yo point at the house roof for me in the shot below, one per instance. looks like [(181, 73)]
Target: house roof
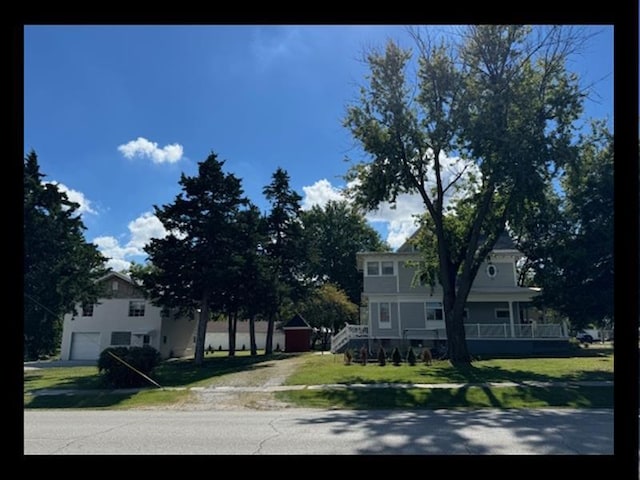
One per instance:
[(296, 322), (119, 275), (504, 242)]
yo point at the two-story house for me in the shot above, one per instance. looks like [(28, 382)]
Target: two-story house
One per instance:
[(123, 317), (499, 316)]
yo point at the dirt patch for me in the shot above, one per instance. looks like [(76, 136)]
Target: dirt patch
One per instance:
[(269, 373)]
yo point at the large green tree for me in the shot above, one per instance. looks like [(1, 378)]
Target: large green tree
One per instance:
[(568, 236), (326, 309), (192, 263), (334, 234), (502, 100), (60, 267), (284, 249)]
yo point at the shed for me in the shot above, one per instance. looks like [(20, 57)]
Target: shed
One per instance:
[(297, 335)]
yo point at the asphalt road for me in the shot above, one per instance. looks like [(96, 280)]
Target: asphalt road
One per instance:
[(319, 432)]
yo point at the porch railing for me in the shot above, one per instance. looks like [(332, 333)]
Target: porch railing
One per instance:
[(349, 332), (472, 331)]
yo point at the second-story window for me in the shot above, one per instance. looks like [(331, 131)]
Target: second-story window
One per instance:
[(387, 268), (136, 308), (373, 268), (379, 268), (87, 310)]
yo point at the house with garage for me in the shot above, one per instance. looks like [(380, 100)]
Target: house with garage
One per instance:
[(499, 316), (124, 317)]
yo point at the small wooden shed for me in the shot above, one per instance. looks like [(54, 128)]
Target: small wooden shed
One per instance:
[(297, 335)]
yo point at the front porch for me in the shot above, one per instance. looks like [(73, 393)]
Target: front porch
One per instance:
[(481, 337)]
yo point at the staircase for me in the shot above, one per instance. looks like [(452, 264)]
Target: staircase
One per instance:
[(340, 341)]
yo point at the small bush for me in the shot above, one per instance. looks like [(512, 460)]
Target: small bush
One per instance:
[(364, 354), (426, 356), (396, 358), (348, 356), (382, 357), (118, 375), (411, 357)]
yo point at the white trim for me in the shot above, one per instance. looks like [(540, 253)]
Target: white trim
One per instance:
[(513, 329)]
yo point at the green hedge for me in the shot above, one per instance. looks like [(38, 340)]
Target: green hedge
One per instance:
[(118, 375)]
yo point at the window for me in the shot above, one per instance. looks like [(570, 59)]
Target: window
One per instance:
[(373, 268), (384, 315), (136, 308), (387, 268), (120, 338), (492, 270), (114, 286), (434, 312), (87, 310), (146, 339), (502, 314)]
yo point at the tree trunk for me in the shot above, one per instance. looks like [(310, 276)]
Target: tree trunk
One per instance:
[(202, 329), (232, 335), (268, 347), (454, 322), (252, 335)]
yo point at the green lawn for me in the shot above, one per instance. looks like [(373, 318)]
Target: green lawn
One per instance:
[(585, 364)]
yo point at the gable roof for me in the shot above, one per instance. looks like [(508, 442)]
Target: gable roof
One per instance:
[(504, 242), (296, 322), (119, 275)]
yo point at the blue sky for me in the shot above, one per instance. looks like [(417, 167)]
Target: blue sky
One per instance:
[(117, 113)]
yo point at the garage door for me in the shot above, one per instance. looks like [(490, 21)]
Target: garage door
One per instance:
[(85, 346)]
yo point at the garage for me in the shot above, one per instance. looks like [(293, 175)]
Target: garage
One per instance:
[(85, 346)]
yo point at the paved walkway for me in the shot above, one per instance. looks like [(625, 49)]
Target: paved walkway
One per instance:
[(372, 386)]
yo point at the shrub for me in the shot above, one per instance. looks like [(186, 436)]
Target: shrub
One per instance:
[(364, 354), (382, 357), (426, 356), (348, 356), (411, 357), (396, 358), (118, 375)]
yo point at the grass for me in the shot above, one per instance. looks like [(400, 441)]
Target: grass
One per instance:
[(465, 397), (323, 369), (173, 373), (584, 365)]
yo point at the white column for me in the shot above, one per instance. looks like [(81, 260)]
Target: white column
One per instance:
[(513, 330)]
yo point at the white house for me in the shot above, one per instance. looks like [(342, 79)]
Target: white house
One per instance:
[(123, 317)]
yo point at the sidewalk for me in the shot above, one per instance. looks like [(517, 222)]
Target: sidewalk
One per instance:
[(334, 386)]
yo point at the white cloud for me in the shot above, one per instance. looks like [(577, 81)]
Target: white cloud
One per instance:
[(141, 231), (145, 148), (77, 197), (319, 194), (399, 219), (144, 228)]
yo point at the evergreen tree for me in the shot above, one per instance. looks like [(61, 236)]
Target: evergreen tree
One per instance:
[(60, 267)]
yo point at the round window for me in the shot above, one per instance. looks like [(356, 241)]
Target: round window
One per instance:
[(492, 271)]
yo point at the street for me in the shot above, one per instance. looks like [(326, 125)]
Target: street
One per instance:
[(308, 431)]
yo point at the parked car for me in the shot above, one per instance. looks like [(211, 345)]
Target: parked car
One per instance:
[(584, 337)]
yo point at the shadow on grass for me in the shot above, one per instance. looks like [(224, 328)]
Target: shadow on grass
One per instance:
[(486, 373), (184, 372), (444, 398), (89, 400)]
